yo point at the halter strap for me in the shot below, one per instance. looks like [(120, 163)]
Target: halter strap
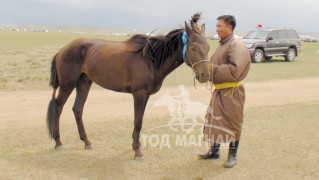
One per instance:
[(185, 41), (193, 65)]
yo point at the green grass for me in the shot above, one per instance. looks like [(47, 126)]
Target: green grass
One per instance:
[(24, 40), (305, 65), (25, 59)]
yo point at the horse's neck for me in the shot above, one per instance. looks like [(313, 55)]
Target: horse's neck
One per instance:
[(170, 64)]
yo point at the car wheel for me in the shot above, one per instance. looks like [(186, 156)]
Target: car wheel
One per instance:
[(268, 57), (258, 56), (290, 55)]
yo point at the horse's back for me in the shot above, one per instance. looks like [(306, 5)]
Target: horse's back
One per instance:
[(75, 50), (110, 64), (84, 50)]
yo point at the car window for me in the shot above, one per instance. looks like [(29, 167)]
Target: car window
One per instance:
[(282, 35), (261, 34), (292, 34), (273, 34)]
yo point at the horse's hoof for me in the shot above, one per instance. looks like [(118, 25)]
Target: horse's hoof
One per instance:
[(59, 148), (139, 158), (88, 147)]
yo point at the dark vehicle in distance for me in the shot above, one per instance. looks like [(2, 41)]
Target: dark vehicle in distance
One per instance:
[(265, 43)]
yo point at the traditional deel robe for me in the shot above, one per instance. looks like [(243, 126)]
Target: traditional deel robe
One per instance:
[(224, 118)]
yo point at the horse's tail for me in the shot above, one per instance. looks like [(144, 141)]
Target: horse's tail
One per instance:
[(54, 80), (52, 115), (52, 108)]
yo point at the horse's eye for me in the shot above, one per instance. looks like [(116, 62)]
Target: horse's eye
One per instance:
[(192, 48)]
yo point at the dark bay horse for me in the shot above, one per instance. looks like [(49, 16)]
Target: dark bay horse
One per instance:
[(137, 66)]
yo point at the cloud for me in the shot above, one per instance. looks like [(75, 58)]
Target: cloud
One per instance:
[(77, 4), (162, 14)]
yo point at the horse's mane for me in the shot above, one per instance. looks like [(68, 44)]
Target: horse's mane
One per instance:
[(156, 48)]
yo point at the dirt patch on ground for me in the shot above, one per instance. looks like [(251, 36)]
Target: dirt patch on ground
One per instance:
[(29, 108)]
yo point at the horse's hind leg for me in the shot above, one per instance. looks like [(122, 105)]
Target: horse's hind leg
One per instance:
[(64, 93), (82, 90)]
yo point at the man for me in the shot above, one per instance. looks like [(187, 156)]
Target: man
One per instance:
[(229, 66)]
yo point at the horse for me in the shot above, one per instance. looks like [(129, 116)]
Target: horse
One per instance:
[(137, 66)]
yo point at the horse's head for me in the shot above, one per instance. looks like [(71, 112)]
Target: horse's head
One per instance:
[(195, 51)]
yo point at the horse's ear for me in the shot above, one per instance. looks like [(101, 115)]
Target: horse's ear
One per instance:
[(203, 29), (187, 28)]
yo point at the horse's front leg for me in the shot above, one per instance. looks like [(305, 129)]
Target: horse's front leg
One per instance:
[(140, 101)]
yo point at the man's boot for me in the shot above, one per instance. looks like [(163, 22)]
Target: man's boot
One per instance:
[(232, 155), (213, 153)]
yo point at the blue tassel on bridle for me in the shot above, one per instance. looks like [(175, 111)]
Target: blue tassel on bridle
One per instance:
[(185, 40)]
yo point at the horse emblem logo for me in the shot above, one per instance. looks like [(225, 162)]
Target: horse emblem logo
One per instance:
[(185, 114)]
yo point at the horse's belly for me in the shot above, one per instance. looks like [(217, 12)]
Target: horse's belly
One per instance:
[(109, 78), (113, 83)]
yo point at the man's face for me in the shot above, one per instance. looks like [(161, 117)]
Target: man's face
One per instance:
[(223, 30)]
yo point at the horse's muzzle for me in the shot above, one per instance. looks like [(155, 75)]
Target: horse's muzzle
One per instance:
[(203, 77)]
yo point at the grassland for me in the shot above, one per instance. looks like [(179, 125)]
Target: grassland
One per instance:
[(279, 140), (25, 59)]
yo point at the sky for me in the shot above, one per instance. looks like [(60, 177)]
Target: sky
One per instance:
[(302, 15)]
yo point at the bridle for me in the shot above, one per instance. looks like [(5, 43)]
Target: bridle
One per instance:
[(185, 40), (194, 71), (193, 65)]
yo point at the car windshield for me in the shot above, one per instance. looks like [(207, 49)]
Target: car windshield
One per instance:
[(261, 34)]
